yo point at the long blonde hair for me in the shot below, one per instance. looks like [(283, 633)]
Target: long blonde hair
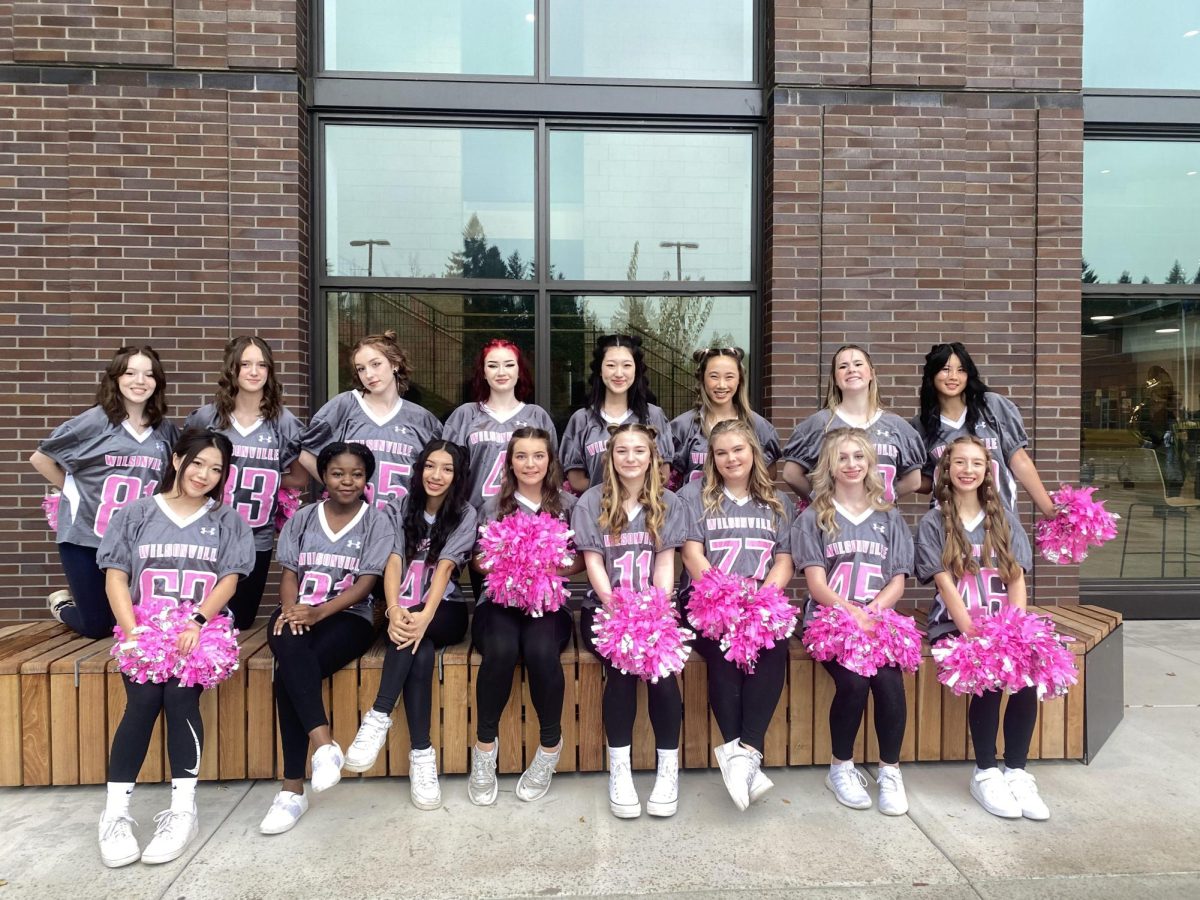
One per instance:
[(612, 510), (997, 536), (741, 397), (833, 393), (761, 488), (823, 481)]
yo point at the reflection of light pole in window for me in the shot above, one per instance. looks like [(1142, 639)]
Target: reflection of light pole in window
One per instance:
[(679, 246), (371, 245)]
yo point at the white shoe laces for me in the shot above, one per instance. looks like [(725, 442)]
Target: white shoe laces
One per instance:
[(847, 778), (166, 823), (890, 779), (424, 772), (119, 827), (483, 767), (541, 770)]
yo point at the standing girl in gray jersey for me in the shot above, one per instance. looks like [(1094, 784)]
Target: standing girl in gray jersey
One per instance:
[(976, 553), (855, 551), (375, 414), (618, 393), (721, 394), (738, 521), (332, 554), (531, 486), (248, 409), (180, 545), (435, 532), (852, 401), (104, 459), (628, 528), (954, 402)]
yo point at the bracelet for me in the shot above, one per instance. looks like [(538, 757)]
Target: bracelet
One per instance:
[(387, 613)]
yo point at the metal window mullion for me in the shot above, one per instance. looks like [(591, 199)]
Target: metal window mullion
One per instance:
[(541, 224)]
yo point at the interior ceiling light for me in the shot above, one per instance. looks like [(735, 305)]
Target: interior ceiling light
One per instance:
[(1102, 318), (1166, 330)]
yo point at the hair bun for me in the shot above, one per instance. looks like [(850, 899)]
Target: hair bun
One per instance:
[(390, 335)]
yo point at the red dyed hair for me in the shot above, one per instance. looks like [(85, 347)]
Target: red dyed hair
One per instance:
[(479, 386)]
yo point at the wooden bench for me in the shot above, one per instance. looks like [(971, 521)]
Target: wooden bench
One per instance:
[(61, 698)]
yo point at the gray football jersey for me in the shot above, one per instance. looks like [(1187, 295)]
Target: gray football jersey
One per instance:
[(984, 591), (261, 454), (1002, 430), (326, 562), (108, 467), (629, 556), (486, 439), (169, 557), (418, 571), (868, 551), (489, 514), (586, 438), (691, 447), (898, 447), (395, 440)]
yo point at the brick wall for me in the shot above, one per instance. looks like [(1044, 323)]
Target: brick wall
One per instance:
[(153, 187), (925, 185)]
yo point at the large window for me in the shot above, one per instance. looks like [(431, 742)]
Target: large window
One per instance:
[(1153, 44)]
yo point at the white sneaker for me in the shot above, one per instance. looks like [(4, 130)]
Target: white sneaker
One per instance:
[(759, 784), (623, 800), (118, 845), (286, 810), (991, 790), (848, 785), (737, 767), (172, 833), (423, 779), (327, 762), (664, 796), (535, 781), (372, 735), (483, 786), (1025, 792), (892, 799), (55, 603)]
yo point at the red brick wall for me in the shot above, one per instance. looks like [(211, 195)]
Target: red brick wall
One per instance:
[(152, 202)]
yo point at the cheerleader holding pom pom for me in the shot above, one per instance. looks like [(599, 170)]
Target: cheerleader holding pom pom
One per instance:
[(738, 526), (176, 555), (628, 528), (976, 553), (530, 499), (332, 554), (855, 551)]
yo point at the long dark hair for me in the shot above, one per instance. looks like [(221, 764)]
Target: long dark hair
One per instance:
[(108, 394), (935, 361), (640, 396), (506, 503), (449, 515), (271, 404), (523, 390), (188, 447)]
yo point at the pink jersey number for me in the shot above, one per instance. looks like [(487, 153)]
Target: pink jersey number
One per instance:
[(317, 587), (175, 584), (633, 569), (393, 482), (985, 592), (491, 484), (858, 584), (410, 587), (259, 486), (118, 491), (734, 546), (888, 474)]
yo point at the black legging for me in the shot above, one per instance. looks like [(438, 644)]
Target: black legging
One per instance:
[(620, 699), (849, 702), (90, 615), (301, 662), (185, 729), (743, 703), (1020, 717), (249, 593), (501, 634), (449, 625), (411, 674)]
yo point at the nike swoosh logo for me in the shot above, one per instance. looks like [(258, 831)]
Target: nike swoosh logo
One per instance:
[(196, 740)]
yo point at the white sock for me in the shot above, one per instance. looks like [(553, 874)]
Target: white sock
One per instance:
[(117, 803), (183, 795), (669, 754)]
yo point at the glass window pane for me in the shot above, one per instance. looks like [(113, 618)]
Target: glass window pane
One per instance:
[(670, 329), (639, 205), (1145, 45), (1141, 430), (428, 202), (1141, 211), (698, 40), (448, 37), (441, 333)]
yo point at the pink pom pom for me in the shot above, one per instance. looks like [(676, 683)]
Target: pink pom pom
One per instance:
[(717, 601), (833, 634), (522, 554), (1012, 650), (802, 503), (50, 508), (151, 652), (1081, 522), (639, 633), (567, 489), (287, 501), (742, 619)]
